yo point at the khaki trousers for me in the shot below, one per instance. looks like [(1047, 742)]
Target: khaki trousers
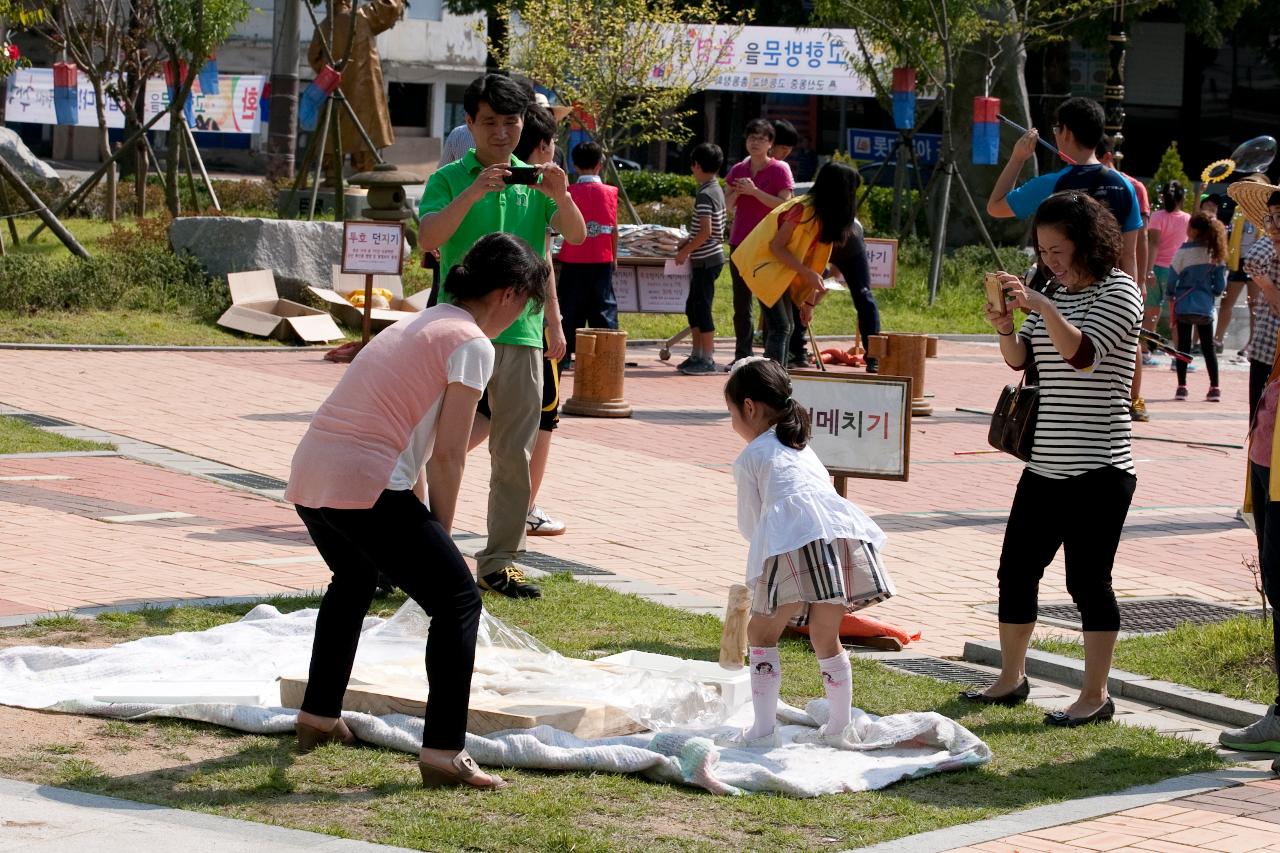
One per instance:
[(515, 403)]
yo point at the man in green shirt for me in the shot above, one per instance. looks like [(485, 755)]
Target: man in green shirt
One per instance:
[(463, 202)]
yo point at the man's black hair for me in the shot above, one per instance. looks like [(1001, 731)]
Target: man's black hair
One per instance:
[(708, 156), (504, 96), (1084, 118), (587, 155), (785, 133), (539, 127), (1106, 145)]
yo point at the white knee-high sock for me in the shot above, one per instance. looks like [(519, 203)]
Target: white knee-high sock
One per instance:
[(766, 682), (837, 680)]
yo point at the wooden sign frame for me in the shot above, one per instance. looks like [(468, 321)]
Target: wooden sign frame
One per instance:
[(373, 227), (892, 245), (842, 475)]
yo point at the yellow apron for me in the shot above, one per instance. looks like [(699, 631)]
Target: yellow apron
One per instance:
[(766, 276)]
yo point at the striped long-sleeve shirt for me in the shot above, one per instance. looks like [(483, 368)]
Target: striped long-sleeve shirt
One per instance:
[(1083, 421)]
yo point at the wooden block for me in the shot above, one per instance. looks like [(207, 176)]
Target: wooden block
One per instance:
[(585, 718)]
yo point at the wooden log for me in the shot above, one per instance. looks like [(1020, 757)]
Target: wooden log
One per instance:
[(600, 366), (904, 355), (733, 639), (486, 714)]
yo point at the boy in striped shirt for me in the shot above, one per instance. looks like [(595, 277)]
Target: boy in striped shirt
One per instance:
[(704, 251)]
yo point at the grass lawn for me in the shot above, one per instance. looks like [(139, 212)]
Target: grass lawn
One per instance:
[(372, 794), (19, 437), (1234, 658), (903, 309)]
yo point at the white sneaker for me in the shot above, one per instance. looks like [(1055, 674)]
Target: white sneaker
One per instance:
[(541, 524), (739, 740)]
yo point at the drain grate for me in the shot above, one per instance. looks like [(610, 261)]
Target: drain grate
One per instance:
[(1149, 615), (548, 563), (39, 420), (252, 481), (942, 670)]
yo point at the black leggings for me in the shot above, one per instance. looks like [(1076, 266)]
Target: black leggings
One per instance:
[(401, 538), (1266, 524), (1207, 351), (1084, 516)]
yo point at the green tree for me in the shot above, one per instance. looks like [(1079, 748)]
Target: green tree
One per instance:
[(1171, 169), (190, 32), (599, 55)]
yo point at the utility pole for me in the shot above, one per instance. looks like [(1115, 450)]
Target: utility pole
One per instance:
[(282, 124)]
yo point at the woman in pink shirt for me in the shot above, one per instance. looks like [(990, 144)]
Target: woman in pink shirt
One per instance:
[(389, 442), (1165, 233), (756, 186)]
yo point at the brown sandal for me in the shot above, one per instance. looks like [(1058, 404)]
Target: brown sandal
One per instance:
[(310, 737), (463, 770)]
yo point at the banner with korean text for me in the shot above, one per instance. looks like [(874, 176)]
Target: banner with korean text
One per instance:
[(809, 61), (860, 424), (237, 108)]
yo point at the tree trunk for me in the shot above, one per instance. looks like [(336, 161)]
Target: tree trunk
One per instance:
[(104, 147), (174, 141)]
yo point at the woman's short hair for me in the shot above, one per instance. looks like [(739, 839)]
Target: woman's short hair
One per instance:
[(1089, 225), (495, 262), (759, 127)]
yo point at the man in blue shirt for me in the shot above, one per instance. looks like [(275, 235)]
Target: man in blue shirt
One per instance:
[(1077, 131)]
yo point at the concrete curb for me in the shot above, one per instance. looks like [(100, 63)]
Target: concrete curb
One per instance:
[(1178, 697), (45, 818), (1070, 811)]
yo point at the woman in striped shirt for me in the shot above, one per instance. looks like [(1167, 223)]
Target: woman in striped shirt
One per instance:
[(1075, 492)]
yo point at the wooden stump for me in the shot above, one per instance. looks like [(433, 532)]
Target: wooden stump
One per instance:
[(600, 362), (904, 355)]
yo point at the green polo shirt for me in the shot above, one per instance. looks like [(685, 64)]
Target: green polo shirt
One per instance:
[(519, 209)]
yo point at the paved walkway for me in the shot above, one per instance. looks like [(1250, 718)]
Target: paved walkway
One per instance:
[(1231, 820), (649, 498)]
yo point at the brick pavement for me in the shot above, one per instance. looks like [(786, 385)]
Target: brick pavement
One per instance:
[(648, 497), (1230, 820)]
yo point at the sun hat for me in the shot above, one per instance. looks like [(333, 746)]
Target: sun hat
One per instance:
[(1254, 194), (558, 111)]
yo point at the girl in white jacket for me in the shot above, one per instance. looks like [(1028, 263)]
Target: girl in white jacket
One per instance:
[(813, 556)]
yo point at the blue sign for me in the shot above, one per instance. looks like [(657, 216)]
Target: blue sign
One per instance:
[(877, 145)]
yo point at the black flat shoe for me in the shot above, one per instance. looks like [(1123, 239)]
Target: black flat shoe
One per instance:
[(1064, 720), (1016, 696)]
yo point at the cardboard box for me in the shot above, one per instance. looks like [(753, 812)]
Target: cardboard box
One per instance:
[(379, 318), (257, 309)]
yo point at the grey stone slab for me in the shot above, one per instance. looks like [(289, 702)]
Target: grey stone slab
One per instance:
[(300, 253), (1200, 703), (44, 819), (1071, 811)]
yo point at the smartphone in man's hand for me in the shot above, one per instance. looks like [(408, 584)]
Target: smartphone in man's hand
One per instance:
[(522, 175)]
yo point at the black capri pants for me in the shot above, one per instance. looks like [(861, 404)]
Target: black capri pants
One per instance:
[(400, 537), (1084, 515)]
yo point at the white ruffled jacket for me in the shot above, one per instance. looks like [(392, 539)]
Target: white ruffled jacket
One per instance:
[(786, 501)]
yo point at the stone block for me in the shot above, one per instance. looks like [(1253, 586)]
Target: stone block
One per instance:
[(299, 253), (37, 174)]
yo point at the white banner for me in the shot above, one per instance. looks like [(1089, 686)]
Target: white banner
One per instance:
[(237, 108), (861, 425), (773, 59)]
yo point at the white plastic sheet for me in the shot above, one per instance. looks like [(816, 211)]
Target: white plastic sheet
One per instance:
[(208, 675)]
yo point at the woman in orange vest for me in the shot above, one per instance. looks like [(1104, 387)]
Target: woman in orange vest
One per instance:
[(783, 259)]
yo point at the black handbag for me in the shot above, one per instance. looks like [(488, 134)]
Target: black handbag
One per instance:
[(1013, 423)]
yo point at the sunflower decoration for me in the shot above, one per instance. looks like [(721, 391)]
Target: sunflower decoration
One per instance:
[(1218, 171)]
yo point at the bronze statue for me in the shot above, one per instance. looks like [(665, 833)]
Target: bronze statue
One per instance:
[(362, 77)]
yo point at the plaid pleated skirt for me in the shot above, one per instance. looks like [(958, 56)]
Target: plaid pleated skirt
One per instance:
[(846, 572)]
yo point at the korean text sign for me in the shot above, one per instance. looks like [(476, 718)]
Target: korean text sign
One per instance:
[(810, 61), (882, 258), (372, 248), (861, 425)]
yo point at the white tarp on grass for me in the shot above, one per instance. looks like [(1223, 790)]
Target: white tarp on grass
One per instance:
[(227, 676)]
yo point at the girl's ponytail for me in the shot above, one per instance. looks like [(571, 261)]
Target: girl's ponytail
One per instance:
[(792, 425), (765, 382)]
